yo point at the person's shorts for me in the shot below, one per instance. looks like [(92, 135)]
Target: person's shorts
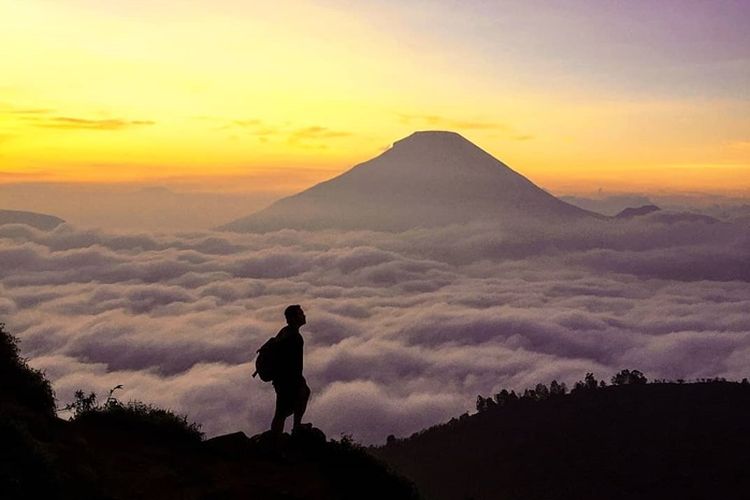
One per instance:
[(289, 394)]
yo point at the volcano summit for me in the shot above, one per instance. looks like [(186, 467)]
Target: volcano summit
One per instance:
[(430, 178)]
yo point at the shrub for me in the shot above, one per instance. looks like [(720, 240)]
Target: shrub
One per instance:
[(133, 416), (347, 441)]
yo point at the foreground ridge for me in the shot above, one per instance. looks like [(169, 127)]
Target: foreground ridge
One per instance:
[(125, 451)]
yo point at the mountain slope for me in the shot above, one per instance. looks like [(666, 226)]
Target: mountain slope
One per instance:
[(39, 221), (428, 179), (650, 441)]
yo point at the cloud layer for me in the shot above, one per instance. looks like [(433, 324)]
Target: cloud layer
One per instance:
[(404, 329)]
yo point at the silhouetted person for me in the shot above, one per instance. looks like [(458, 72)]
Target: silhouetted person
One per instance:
[(292, 392)]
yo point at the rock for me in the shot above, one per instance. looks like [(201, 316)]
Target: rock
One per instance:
[(308, 436), (234, 444)]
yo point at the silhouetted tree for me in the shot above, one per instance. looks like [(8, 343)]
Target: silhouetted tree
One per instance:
[(501, 398), (484, 404), (82, 403), (528, 395), (504, 398), (557, 389), (589, 383), (542, 392), (628, 377)]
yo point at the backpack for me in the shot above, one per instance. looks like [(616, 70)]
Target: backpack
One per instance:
[(266, 363)]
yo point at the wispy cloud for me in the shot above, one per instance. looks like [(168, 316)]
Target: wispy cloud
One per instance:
[(21, 176), (293, 135), (252, 123), (11, 109), (316, 132), (30, 111), (72, 123), (48, 118), (256, 127)]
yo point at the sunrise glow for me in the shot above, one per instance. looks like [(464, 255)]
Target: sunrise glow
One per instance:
[(259, 92)]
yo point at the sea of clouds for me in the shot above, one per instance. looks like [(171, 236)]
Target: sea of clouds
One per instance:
[(404, 330)]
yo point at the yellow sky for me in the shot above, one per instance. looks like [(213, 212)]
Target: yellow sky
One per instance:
[(249, 95)]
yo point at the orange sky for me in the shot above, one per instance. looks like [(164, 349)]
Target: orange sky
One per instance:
[(242, 95)]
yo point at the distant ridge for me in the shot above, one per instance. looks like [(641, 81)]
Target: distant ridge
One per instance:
[(631, 212), (39, 221), (430, 178)]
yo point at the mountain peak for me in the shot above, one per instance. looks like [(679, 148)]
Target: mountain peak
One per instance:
[(429, 178), (422, 136), (428, 141)]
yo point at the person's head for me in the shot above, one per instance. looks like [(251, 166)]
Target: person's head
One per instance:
[(295, 316)]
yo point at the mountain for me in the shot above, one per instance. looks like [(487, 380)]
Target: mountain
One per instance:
[(429, 178), (631, 212), (39, 221), (645, 441), (608, 205)]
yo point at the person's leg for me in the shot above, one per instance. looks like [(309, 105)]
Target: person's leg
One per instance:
[(281, 411), (301, 404), (277, 424)]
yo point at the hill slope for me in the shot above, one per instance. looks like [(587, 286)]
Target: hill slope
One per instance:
[(39, 221), (655, 441), (430, 178), (127, 451)]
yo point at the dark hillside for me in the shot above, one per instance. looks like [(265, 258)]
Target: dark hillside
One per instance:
[(131, 450), (639, 441)]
